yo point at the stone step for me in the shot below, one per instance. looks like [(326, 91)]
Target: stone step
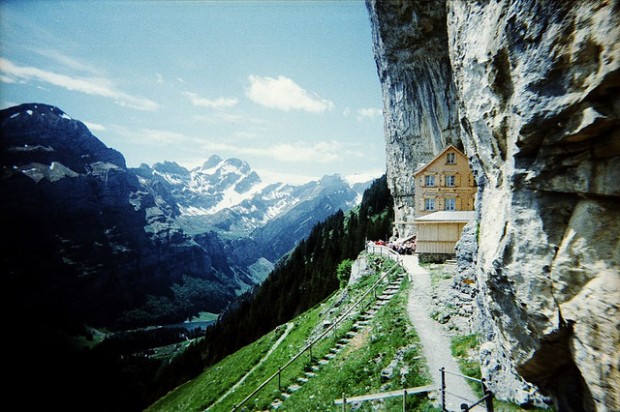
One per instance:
[(302, 380), (315, 368), (323, 361), (293, 388), (344, 341), (276, 403), (330, 356), (286, 395), (310, 374), (351, 334)]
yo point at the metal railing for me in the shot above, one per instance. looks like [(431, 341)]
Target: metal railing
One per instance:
[(385, 395), (465, 407), (487, 398), (308, 348), (384, 251)]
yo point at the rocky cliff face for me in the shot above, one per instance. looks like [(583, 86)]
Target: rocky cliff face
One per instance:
[(534, 86), (411, 45)]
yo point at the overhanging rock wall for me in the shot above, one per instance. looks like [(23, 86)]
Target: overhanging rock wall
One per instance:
[(534, 87)]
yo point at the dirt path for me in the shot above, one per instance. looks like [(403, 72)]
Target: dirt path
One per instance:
[(435, 344), (277, 343)]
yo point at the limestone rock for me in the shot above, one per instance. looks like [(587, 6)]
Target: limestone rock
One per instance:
[(535, 88), (418, 93)]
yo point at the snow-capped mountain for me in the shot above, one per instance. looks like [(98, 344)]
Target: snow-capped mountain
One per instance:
[(227, 196)]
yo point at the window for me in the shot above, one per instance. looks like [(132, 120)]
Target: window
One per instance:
[(451, 203), (450, 181), (451, 158), (429, 180), (429, 204)]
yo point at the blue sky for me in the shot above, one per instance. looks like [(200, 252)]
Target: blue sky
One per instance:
[(289, 86)]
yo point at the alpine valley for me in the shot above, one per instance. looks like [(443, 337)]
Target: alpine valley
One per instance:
[(88, 241)]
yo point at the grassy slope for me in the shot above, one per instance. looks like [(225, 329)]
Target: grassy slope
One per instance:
[(356, 370)]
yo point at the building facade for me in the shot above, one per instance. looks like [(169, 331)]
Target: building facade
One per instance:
[(446, 183)]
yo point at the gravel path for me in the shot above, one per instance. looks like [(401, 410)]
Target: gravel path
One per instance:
[(435, 344)]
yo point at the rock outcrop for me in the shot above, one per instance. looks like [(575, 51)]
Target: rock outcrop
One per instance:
[(534, 86), (420, 106)]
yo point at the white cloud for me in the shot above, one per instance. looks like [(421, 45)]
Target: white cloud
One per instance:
[(68, 61), (320, 152), (162, 136), (93, 86), (270, 176), (368, 114), (219, 103), (146, 136), (364, 177), (96, 127), (284, 94)]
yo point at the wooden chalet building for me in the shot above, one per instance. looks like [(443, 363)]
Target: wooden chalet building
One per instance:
[(445, 192)]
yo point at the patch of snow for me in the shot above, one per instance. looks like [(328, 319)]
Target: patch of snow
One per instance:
[(14, 115), (29, 112), (65, 116), (194, 211)]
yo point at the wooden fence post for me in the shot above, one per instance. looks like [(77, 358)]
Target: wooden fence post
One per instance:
[(443, 389), (404, 400), (344, 402), (488, 395)]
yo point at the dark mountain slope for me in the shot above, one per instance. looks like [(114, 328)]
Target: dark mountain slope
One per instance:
[(80, 234)]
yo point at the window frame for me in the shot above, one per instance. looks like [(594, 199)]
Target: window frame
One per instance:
[(450, 158), (429, 201), (431, 179), (450, 178), (452, 201)]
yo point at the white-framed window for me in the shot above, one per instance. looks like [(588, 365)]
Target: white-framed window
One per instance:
[(450, 203), (429, 204), (451, 181), (429, 180), (451, 158)]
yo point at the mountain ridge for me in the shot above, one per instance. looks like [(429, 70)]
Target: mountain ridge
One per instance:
[(100, 224)]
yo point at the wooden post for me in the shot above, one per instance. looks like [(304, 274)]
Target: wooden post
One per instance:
[(488, 396), (344, 402), (404, 400), (443, 389)]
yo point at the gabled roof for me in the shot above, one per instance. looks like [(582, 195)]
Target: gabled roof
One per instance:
[(448, 216), (434, 159)]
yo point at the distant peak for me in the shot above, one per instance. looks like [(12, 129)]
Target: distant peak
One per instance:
[(170, 167), (213, 161)]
